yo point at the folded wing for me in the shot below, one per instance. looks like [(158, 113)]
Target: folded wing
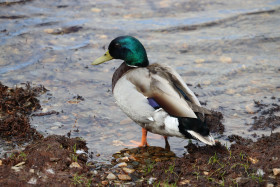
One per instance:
[(167, 88)]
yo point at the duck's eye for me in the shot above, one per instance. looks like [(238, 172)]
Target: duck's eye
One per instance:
[(117, 45)]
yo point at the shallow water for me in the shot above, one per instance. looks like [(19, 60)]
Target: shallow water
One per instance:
[(230, 48)]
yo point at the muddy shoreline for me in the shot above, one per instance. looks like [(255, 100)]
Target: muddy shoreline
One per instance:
[(60, 160)]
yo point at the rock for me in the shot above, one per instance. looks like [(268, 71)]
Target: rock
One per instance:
[(276, 171), (75, 165), (123, 159), (19, 164), (157, 159), (50, 171), (146, 154), (111, 176), (184, 182), (206, 173), (269, 185), (135, 163), (253, 160), (134, 151), (151, 180), (32, 171), (122, 164), (33, 180), (17, 169), (132, 158), (124, 177), (0, 162), (128, 170), (80, 152), (105, 183), (94, 172), (242, 180), (274, 158), (170, 154), (260, 172)]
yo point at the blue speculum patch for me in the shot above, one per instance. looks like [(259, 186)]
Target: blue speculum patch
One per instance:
[(153, 103)]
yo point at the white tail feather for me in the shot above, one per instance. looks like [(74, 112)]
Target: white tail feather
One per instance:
[(205, 139)]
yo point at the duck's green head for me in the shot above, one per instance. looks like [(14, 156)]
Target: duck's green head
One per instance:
[(126, 48)]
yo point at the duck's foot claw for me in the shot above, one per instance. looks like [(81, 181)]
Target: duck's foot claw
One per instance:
[(136, 144)]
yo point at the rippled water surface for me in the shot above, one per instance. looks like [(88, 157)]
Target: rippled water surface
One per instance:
[(230, 48)]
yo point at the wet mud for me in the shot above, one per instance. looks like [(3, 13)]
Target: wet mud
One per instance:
[(266, 118), (59, 160), (244, 164), (16, 104), (46, 162), (214, 121)]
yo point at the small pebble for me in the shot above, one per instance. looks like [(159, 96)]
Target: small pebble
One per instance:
[(276, 171), (134, 163), (157, 159), (123, 159), (260, 172), (274, 158), (146, 154), (124, 177), (132, 158), (75, 165), (111, 176), (50, 171), (17, 169), (122, 164), (94, 172), (19, 164), (184, 182), (32, 171), (0, 162), (241, 180), (128, 170), (151, 180), (269, 185), (206, 173), (105, 183), (33, 180), (80, 151), (253, 160)]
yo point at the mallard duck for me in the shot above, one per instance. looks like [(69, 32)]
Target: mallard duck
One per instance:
[(154, 96)]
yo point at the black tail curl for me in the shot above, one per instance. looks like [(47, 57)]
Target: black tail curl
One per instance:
[(192, 124)]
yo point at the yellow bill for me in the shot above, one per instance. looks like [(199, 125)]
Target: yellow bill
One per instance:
[(106, 57)]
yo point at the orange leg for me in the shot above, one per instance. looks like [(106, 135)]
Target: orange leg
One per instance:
[(144, 138), (143, 143), (167, 146)]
